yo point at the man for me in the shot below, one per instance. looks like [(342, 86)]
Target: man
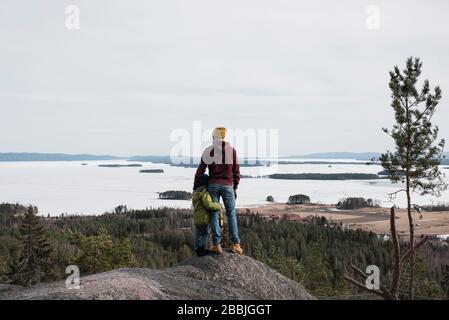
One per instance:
[(224, 177)]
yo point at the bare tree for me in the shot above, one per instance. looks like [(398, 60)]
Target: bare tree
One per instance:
[(393, 292)]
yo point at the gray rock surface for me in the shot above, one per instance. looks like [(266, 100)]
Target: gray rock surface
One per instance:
[(228, 276)]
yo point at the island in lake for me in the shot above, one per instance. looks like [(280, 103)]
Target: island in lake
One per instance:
[(175, 195), (152, 171), (132, 165), (325, 176)]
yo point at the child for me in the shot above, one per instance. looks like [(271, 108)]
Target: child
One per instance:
[(202, 205)]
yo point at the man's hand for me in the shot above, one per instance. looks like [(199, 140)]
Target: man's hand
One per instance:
[(235, 194)]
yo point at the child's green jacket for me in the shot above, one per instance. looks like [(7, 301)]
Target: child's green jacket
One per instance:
[(202, 206)]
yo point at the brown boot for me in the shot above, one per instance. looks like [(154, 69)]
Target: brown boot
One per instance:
[(236, 248), (216, 249)]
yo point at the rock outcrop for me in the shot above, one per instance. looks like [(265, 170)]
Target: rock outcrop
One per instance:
[(228, 276)]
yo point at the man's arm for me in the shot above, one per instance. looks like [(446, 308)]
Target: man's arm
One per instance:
[(199, 174), (235, 170)]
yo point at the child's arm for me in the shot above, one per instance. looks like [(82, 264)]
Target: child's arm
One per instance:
[(206, 199)]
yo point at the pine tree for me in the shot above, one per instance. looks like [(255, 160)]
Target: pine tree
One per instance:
[(318, 274), (418, 152), (424, 286), (3, 270), (123, 255), (99, 253), (33, 262), (185, 252), (95, 252), (445, 280)]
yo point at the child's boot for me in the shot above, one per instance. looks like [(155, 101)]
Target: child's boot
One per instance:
[(201, 251), (216, 249)]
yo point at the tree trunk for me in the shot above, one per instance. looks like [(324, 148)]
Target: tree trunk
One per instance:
[(412, 242), (29, 257), (409, 206), (397, 256)]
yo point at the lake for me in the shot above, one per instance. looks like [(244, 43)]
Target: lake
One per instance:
[(69, 187)]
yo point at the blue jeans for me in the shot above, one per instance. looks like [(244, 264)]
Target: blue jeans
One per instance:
[(201, 234), (227, 194)]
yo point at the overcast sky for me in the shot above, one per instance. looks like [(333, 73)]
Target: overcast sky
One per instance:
[(136, 70)]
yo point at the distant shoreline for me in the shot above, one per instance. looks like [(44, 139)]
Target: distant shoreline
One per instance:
[(30, 157), (316, 158), (325, 176)]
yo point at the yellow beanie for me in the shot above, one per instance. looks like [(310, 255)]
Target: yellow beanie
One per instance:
[(219, 133)]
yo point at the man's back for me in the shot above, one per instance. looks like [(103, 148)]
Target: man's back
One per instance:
[(221, 160)]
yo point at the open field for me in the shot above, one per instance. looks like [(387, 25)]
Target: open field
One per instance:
[(369, 219)]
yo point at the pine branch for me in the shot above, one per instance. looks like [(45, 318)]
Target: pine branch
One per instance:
[(384, 294), (393, 195), (416, 246)]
